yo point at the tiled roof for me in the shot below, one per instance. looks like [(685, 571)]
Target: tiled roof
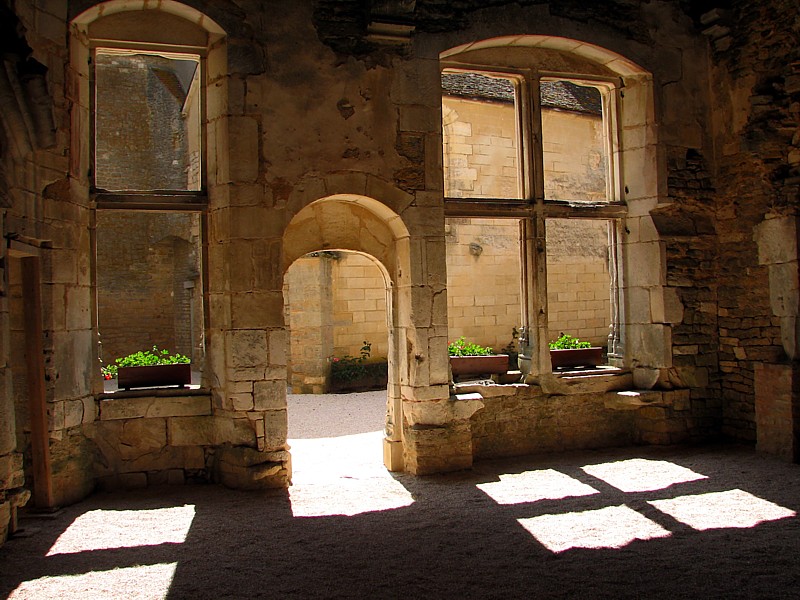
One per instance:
[(564, 95)]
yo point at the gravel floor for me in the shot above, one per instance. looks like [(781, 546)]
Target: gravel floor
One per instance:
[(333, 415), (703, 522)]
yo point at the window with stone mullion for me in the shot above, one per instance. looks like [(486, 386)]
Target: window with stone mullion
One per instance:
[(562, 152)]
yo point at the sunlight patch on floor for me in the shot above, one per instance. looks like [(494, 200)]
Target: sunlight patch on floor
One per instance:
[(642, 475), (103, 529), (343, 476), (148, 582), (611, 527), (532, 486), (719, 510)]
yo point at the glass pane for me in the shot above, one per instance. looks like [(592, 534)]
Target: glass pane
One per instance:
[(483, 280), (578, 280), (574, 142), (149, 287), (480, 135), (147, 122)]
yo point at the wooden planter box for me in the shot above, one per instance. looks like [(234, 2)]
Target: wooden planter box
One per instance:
[(179, 374), (576, 357), (494, 364)]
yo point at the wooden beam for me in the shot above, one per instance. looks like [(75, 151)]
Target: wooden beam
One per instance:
[(34, 360)]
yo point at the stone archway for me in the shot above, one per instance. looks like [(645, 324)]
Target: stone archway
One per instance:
[(362, 224)]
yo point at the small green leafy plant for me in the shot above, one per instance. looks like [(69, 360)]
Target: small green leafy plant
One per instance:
[(348, 368), (568, 342), (143, 358), (462, 347)]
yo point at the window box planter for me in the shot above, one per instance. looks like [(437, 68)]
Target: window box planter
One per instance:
[(492, 364), (576, 357), (179, 374)]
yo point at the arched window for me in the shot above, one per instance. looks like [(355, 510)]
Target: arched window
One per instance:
[(144, 89), (534, 195)]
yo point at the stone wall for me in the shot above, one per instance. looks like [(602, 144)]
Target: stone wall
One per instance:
[(319, 135), (756, 125), (359, 307), (141, 133)]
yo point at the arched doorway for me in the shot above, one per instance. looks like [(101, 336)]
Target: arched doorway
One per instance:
[(355, 223)]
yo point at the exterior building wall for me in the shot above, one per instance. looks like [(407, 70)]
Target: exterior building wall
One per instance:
[(141, 140), (359, 307), (309, 316)]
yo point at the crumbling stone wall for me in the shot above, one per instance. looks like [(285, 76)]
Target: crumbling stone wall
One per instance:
[(756, 94)]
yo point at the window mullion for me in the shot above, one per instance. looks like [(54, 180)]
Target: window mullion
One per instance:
[(535, 153), (534, 246)]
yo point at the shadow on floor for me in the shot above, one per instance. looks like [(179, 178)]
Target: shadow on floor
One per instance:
[(630, 523)]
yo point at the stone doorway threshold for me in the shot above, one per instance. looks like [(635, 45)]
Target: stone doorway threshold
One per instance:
[(336, 443)]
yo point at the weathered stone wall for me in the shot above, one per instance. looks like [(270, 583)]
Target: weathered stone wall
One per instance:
[(321, 137), (756, 125), (42, 218), (359, 307), (480, 149), (309, 317), (517, 419), (578, 281), (483, 280)]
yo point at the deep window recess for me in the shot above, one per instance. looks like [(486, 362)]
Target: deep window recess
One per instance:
[(148, 188), (536, 151)]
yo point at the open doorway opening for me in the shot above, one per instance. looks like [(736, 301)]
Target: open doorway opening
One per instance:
[(335, 305)]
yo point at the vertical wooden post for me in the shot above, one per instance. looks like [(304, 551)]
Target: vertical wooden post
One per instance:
[(34, 359)]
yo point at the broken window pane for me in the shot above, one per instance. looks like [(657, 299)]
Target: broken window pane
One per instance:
[(574, 142), (147, 121), (481, 136)]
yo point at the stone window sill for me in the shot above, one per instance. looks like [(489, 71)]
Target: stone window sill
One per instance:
[(154, 403)]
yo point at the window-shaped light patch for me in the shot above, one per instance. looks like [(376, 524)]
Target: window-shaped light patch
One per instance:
[(610, 527), (103, 529), (116, 583), (642, 475), (719, 510), (532, 486)]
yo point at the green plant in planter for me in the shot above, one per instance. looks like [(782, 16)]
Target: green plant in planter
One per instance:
[(143, 358), (568, 342), (462, 347), (348, 368)]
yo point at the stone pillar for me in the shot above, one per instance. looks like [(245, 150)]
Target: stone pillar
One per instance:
[(438, 434), (777, 419), (776, 385), (776, 237)]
